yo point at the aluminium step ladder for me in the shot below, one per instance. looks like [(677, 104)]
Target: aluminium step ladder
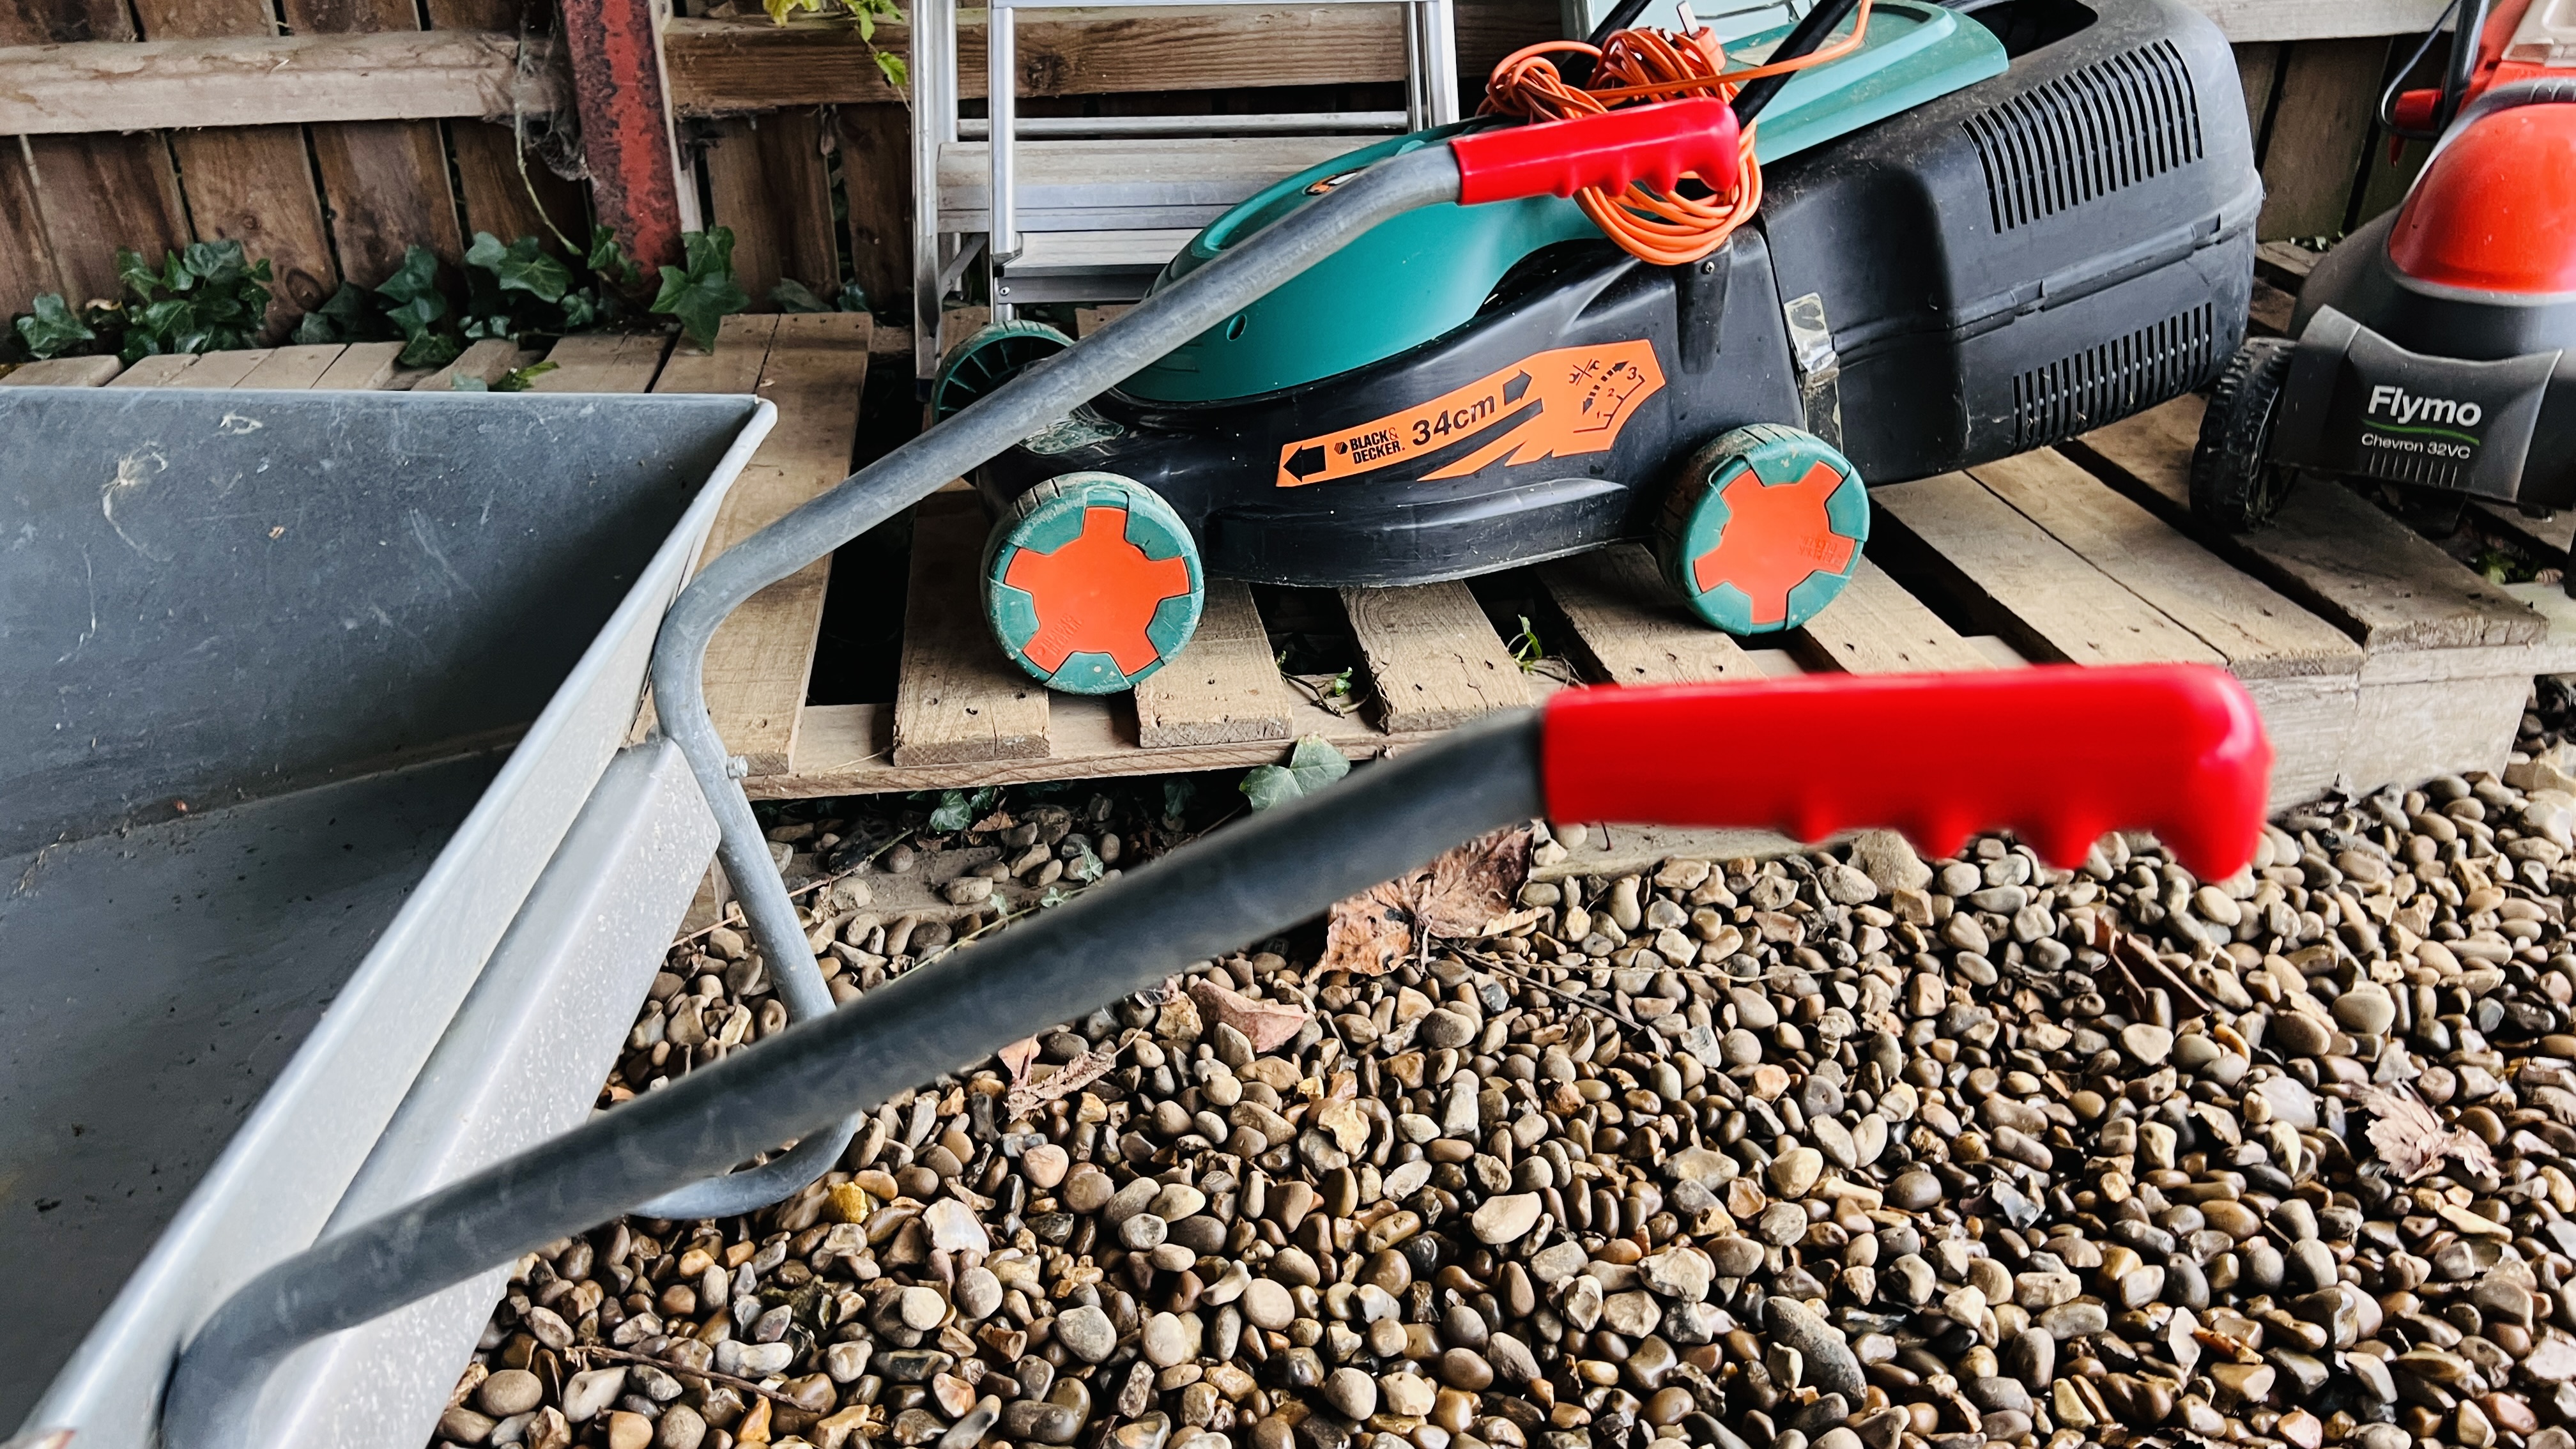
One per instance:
[(1089, 209)]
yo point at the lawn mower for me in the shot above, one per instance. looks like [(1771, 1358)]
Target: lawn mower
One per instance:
[(2428, 346), (1954, 235)]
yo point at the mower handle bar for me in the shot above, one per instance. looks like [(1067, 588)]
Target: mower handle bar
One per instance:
[(670, 1151)]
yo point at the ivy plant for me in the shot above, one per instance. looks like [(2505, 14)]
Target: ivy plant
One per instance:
[(702, 293), (210, 298)]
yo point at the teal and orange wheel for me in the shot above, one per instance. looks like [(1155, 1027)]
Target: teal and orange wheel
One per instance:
[(1763, 528), (1091, 582), (978, 366)]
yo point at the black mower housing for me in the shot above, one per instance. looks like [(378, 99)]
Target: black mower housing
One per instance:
[(2364, 326), (2028, 258)]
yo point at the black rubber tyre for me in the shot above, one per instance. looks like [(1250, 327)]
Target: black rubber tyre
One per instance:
[(2234, 487)]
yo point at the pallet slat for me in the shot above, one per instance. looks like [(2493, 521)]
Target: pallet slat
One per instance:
[(2371, 575), (159, 370), (814, 368), (2260, 633), (489, 361), (603, 362), (297, 368), (1876, 627), (1432, 657), (361, 367), (2034, 590), (1224, 689), (1628, 628), (64, 372), (958, 699)]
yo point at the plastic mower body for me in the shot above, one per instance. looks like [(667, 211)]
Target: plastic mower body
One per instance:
[(1982, 232), (2430, 348)]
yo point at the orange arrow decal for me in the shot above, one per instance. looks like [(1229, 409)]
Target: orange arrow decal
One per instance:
[(1548, 405)]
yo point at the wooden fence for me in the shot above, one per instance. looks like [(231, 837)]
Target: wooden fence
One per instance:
[(328, 135)]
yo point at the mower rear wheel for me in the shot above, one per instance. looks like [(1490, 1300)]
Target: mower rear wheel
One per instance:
[(1763, 528), (1091, 582), (2234, 485), (978, 366)]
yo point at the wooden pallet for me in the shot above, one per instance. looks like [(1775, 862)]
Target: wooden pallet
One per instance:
[(812, 365), (2373, 656)]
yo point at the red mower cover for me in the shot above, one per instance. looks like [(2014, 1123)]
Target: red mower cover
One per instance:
[(2058, 754)]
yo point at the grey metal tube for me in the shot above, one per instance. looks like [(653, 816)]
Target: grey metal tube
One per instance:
[(1258, 878), (877, 493)]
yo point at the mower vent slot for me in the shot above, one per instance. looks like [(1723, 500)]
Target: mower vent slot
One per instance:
[(2086, 389), (2088, 133), (2394, 467)]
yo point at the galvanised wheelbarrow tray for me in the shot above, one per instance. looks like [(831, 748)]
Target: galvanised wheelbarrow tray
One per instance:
[(311, 702), (380, 1314)]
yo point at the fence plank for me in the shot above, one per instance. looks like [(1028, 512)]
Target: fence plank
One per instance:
[(2319, 126), (876, 180), (91, 194), (26, 256), (386, 181), (767, 181), (722, 66)]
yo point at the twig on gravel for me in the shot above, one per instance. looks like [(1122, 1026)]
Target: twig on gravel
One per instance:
[(593, 1350), (1495, 963), (733, 915)]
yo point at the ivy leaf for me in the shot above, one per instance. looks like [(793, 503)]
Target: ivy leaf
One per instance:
[(897, 74), (608, 259), (138, 276), (430, 349), (522, 266), (853, 298), (417, 278), (220, 263), (703, 293), (957, 809), (53, 327), (1311, 766), (791, 295), (779, 10)]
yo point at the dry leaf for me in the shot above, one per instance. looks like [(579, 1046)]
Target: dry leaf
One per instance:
[(1077, 1074), (1019, 1056), (1466, 892), (2411, 1140), (1371, 933), (998, 820), (1268, 1025)]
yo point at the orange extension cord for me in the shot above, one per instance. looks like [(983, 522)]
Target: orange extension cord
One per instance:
[(1635, 66)]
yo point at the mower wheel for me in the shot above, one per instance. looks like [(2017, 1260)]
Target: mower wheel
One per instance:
[(1091, 582), (1763, 528), (2234, 487), (979, 365)]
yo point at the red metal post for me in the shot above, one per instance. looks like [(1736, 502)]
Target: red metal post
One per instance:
[(616, 55)]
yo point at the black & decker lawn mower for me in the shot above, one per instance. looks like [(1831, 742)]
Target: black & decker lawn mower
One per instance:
[(2429, 348), (1922, 240)]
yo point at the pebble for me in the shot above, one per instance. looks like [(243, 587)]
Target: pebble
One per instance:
[(1842, 1150)]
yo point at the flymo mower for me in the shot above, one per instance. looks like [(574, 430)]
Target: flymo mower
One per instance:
[(1955, 234), (2430, 343)]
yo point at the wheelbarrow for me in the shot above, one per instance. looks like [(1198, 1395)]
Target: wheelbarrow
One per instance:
[(398, 1283)]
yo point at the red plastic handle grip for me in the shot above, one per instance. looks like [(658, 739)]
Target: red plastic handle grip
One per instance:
[(1655, 144), (2058, 754)]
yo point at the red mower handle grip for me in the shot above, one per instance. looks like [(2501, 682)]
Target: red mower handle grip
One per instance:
[(2058, 754), (1655, 144)]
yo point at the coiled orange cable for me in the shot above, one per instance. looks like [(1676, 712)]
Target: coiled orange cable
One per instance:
[(1639, 66)]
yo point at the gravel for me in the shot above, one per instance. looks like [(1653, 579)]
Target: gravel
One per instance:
[(1847, 1150)]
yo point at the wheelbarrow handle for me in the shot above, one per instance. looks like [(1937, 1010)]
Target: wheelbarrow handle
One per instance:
[(2057, 753), (1657, 144)]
